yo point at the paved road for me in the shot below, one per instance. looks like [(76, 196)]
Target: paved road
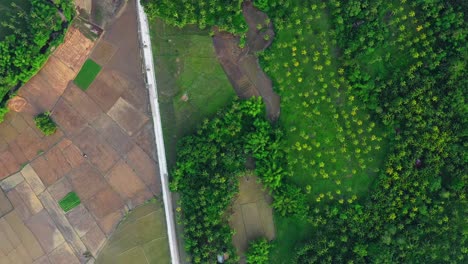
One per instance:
[(152, 86)]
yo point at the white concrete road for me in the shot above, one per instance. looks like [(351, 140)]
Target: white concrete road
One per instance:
[(145, 40)]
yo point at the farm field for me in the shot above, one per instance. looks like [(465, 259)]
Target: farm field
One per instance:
[(192, 85), (70, 201), (87, 74), (102, 155), (139, 238)]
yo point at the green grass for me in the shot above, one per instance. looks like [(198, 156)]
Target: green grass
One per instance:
[(87, 74), (70, 201), (321, 100), (140, 238), (186, 67), (320, 119), (290, 233)]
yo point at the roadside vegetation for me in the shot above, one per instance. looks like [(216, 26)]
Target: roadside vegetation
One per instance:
[(368, 159), (192, 85), (29, 31), (227, 15)]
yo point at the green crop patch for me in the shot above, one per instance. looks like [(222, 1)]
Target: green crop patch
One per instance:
[(87, 74), (70, 201)]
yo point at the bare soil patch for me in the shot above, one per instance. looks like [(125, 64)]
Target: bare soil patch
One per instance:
[(74, 50), (242, 66), (103, 12), (103, 52), (261, 33), (252, 215)]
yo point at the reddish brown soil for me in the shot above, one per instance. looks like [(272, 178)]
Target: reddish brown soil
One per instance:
[(242, 66)]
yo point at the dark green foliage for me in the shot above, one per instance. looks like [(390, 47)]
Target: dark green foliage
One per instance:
[(416, 212), (70, 201), (406, 62), (290, 201), (3, 111), (87, 74), (258, 252), (207, 170), (261, 4), (25, 50), (225, 14), (45, 123)]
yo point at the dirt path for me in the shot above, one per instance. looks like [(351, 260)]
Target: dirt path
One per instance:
[(242, 66)]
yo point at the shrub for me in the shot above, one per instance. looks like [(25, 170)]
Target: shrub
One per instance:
[(227, 15), (3, 111), (261, 4), (45, 123), (258, 252), (290, 201)]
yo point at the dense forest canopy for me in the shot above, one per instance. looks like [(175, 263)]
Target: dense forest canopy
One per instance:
[(30, 30), (208, 166), (405, 62)]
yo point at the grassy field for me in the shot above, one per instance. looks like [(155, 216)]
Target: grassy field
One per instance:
[(334, 144), (335, 147), (141, 238), (290, 233), (5, 9), (87, 74), (70, 201), (192, 85)]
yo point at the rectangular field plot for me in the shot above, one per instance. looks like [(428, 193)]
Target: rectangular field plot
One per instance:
[(70, 201), (87, 74)]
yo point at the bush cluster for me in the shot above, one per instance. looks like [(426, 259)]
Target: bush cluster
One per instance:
[(45, 123), (3, 112), (258, 252), (226, 15)]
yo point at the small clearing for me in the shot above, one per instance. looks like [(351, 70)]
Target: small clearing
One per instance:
[(241, 64), (252, 215)]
